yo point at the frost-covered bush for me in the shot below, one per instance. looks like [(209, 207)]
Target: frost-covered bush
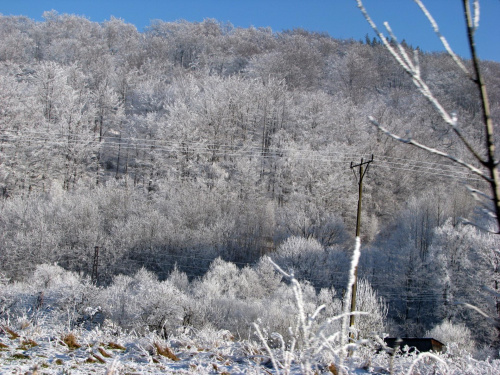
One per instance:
[(53, 277), (456, 336), (280, 312), (16, 299), (50, 293), (308, 259), (367, 301), (300, 256), (231, 298), (62, 291), (142, 302)]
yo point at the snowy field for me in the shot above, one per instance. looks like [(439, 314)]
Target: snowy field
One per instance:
[(36, 350), (63, 331)]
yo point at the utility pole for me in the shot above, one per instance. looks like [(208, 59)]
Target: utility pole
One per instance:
[(95, 265), (363, 167)]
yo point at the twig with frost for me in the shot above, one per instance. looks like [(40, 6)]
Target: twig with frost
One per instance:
[(423, 356), (113, 367), (486, 208), (326, 341), (391, 351), (314, 343), (441, 37), (305, 322), (287, 354), (412, 68), (347, 303), (493, 321), (477, 194), (274, 361), (430, 149)]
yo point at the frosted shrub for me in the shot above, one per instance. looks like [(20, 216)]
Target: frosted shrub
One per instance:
[(222, 279), (281, 310), (16, 300), (141, 301), (269, 279), (301, 256), (51, 293), (48, 276), (179, 279), (232, 299), (310, 340), (456, 336), (333, 307), (60, 292), (373, 323)]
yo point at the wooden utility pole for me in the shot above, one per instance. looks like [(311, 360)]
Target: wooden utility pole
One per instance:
[(363, 167), (95, 265)]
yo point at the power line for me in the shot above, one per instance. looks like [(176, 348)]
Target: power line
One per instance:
[(161, 143), (223, 150)]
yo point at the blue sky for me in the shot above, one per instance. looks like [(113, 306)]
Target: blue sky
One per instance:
[(339, 18)]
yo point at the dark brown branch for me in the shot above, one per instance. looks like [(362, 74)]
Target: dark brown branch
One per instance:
[(488, 124)]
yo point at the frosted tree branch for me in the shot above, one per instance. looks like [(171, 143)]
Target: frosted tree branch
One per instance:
[(493, 321), (467, 144), (478, 195), (491, 291), (404, 56), (268, 349), (480, 227), (490, 163), (412, 68), (381, 36), (422, 356), (491, 174), (430, 149), (445, 43), (476, 14)]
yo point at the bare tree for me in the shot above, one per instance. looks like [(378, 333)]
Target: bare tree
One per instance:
[(484, 163)]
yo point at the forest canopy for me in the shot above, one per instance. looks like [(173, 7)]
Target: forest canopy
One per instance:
[(170, 148)]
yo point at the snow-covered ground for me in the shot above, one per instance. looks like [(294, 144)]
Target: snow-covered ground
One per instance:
[(38, 350), (59, 323), (48, 352)]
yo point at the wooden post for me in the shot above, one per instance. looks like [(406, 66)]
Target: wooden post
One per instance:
[(362, 172), (95, 265)]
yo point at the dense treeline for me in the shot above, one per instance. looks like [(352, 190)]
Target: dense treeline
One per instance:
[(193, 141)]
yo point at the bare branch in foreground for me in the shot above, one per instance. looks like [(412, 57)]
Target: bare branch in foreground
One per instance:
[(424, 356), (413, 70), (431, 150), (493, 321), (441, 37)]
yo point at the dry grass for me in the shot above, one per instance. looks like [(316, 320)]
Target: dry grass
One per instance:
[(20, 356), (333, 369), (104, 353), (70, 341), (99, 358), (166, 352), (28, 344), (114, 345), (12, 335)]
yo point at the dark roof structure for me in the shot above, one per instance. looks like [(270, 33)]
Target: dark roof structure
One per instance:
[(420, 344)]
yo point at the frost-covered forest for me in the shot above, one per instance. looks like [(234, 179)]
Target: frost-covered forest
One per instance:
[(187, 154)]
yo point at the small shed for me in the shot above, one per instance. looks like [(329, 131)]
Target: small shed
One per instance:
[(421, 344)]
